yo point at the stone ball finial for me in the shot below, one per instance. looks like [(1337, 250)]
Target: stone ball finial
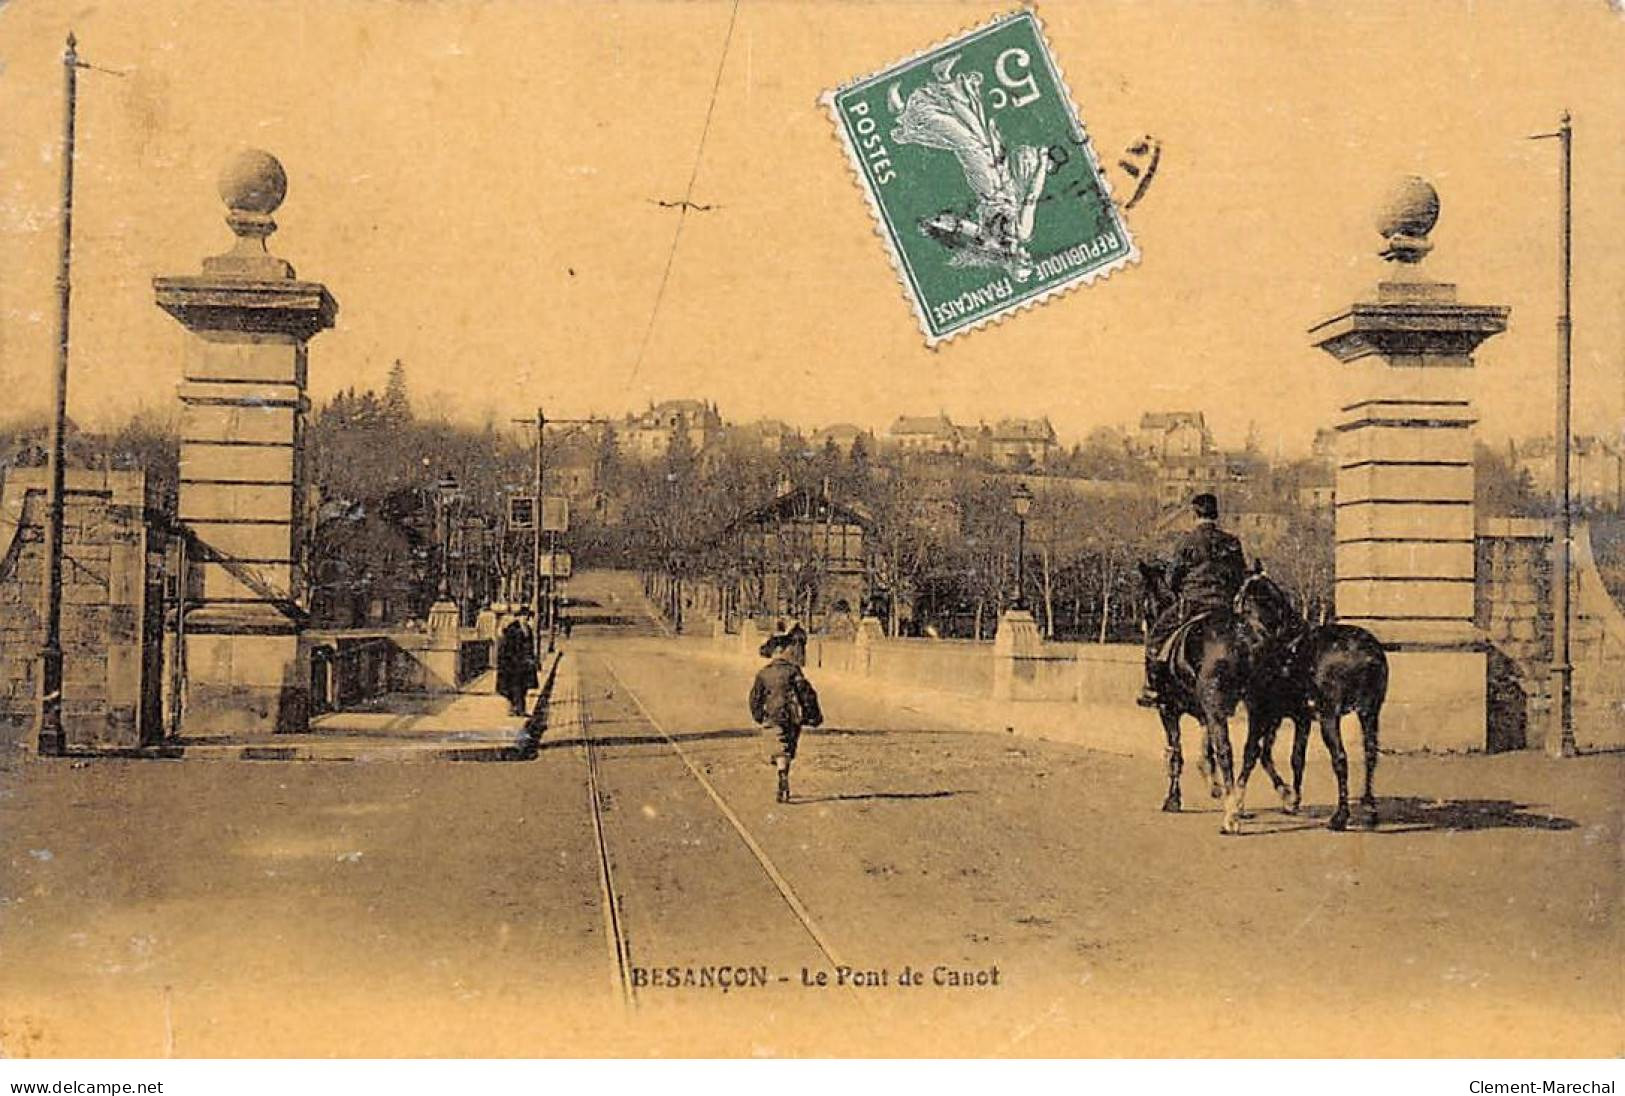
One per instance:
[(1406, 216), (252, 185), (253, 182)]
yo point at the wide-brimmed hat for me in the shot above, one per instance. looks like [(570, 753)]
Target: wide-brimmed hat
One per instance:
[(795, 637)]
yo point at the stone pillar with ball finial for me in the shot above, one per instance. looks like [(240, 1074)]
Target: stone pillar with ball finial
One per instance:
[(1404, 495), (242, 472)]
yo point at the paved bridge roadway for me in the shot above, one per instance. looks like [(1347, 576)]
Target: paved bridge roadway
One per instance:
[(376, 909)]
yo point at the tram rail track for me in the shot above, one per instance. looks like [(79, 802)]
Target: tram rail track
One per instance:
[(782, 885), (610, 886), (609, 896)]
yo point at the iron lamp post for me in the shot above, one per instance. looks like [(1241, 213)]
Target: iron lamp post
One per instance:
[(446, 493), (1022, 500)]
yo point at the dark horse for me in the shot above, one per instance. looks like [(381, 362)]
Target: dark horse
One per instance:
[(1303, 672), (1208, 676)]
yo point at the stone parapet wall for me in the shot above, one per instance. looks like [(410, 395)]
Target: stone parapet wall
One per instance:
[(1084, 693), (111, 608), (953, 666), (1597, 650), (1489, 696), (1513, 612)]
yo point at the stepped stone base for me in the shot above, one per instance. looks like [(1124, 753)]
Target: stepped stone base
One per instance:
[(246, 685)]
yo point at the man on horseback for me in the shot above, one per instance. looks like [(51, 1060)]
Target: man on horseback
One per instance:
[(1208, 569)]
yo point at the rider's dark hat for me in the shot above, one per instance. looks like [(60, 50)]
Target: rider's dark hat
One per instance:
[(1206, 506)]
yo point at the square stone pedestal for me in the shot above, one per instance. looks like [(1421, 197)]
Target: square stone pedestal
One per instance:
[(242, 467), (1404, 525), (1023, 668), (439, 657), (870, 632)]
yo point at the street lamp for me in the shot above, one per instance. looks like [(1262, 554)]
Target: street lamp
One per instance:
[(445, 494), (470, 557), (1022, 500)]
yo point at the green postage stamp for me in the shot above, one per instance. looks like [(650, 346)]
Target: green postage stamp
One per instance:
[(980, 176)]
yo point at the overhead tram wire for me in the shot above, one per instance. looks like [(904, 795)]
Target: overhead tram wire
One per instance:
[(688, 194)]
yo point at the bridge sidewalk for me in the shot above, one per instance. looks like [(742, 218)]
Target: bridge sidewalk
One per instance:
[(470, 725)]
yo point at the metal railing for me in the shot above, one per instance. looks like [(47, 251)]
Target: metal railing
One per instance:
[(348, 671), (473, 659), (352, 671)]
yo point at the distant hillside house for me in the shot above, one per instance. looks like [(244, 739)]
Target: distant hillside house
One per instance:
[(843, 434), (926, 434), (577, 479), (650, 434), (1179, 448), (1596, 469), (1021, 443), (770, 435), (1165, 435), (575, 469), (1317, 486), (1261, 532)]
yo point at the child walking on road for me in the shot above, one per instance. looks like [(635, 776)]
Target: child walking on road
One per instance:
[(783, 701)]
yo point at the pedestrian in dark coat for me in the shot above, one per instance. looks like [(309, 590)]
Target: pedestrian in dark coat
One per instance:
[(516, 665), (782, 702)]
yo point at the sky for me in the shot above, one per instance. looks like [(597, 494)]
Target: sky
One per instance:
[(479, 185)]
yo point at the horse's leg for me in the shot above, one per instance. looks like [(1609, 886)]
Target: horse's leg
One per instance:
[(1332, 734), (1218, 733), (1204, 765), (1266, 757), (1368, 732), (1176, 758), (1259, 736), (1300, 753)]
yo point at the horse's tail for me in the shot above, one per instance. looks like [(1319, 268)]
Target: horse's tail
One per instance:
[(1380, 690), (1217, 668), (1376, 675)]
